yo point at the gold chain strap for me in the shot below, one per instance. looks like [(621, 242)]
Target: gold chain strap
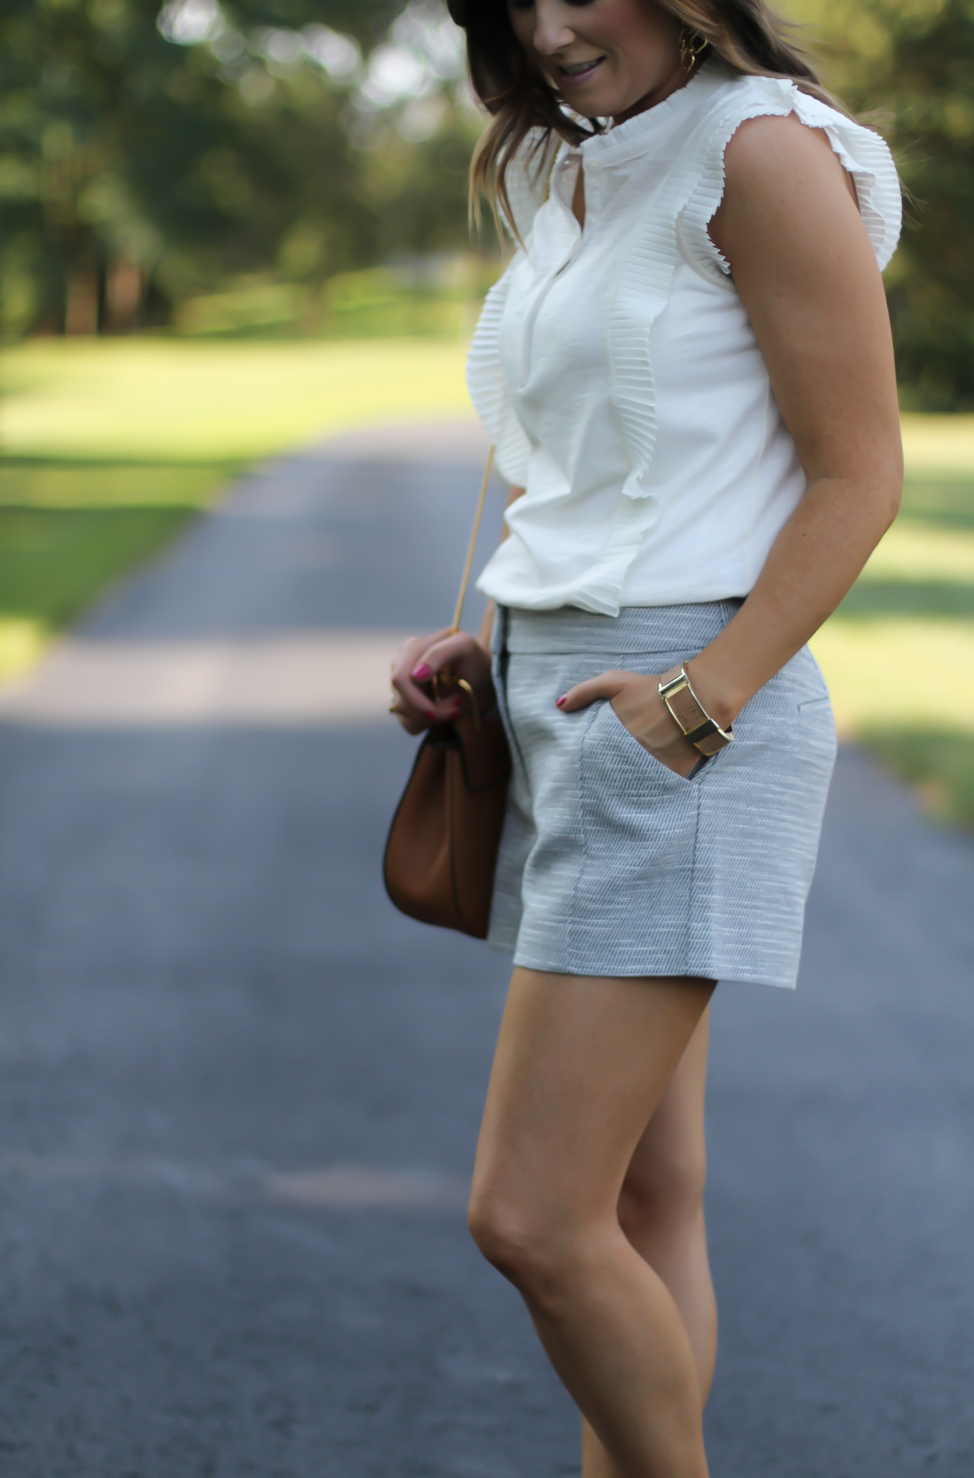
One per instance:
[(461, 597)]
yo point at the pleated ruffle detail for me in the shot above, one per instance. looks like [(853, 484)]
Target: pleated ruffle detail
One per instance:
[(862, 153), (527, 183)]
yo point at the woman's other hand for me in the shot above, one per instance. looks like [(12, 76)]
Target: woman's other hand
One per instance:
[(639, 707), (421, 659)]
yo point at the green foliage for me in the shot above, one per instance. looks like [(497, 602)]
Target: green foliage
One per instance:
[(137, 168), (912, 61), (932, 299)]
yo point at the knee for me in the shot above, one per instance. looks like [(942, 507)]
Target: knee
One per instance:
[(666, 1187), (535, 1250), (508, 1232)]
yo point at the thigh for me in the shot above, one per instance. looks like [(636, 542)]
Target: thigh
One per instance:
[(582, 1063)]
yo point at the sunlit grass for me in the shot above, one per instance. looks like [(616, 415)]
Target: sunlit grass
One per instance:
[(51, 485), (22, 641), (918, 551), (899, 653), (941, 446), (902, 672), (171, 401)]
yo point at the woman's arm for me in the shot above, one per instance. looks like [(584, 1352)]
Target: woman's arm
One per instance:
[(804, 267), (806, 273)]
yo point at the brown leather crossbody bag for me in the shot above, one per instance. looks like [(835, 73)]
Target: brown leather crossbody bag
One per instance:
[(441, 850)]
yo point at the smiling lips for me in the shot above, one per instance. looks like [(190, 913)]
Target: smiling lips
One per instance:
[(572, 73)]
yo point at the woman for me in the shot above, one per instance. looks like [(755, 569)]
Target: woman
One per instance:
[(687, 374)]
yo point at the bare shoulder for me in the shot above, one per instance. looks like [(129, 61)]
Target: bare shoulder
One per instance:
[(766, 147), (779, 175)]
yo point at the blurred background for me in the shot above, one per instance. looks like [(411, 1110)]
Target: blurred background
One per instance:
[(239, 1094), (215, 219)]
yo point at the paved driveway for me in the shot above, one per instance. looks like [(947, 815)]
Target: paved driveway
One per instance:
[(239, 1094)]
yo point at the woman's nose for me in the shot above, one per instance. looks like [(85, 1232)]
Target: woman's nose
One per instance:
[(551, 28)]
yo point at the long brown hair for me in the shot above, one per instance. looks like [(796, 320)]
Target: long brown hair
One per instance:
[(520, 98)]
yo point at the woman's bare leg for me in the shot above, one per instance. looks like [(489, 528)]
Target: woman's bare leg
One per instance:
[(661, 1212), (661, 1206), (581, 1066)]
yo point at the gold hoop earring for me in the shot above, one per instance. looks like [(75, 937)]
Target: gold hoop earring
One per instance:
[(692, 48)]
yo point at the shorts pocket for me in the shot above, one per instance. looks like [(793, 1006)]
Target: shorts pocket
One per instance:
[(638, 823), (815, 705)]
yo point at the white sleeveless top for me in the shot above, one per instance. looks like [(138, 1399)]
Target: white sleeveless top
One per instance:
[(618, 374)]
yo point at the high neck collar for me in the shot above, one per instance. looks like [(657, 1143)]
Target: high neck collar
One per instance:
[(623, 140)]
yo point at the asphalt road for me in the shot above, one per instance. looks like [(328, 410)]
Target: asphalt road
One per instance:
[(239, 1095)]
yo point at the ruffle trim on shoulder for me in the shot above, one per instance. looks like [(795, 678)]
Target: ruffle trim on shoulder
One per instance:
[(866, 156), (488, 392), (862, 152)]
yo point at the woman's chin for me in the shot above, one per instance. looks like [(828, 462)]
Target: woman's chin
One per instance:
[(594, 104), (602, 102)]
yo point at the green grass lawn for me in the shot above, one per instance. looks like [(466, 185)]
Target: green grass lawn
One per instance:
[(899, 652), (108, 447), (68, 529), (177, 402)]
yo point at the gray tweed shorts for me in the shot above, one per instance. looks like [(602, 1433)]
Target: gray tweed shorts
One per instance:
[(611, 864)]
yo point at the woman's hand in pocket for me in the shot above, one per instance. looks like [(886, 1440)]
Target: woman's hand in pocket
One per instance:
[(639, 707), (421, 659)]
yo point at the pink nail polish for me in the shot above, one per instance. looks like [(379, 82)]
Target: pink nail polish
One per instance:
[(422, 672), (560, 702)]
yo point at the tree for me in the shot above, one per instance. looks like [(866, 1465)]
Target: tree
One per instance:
[(913, 62), (145, 153)]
